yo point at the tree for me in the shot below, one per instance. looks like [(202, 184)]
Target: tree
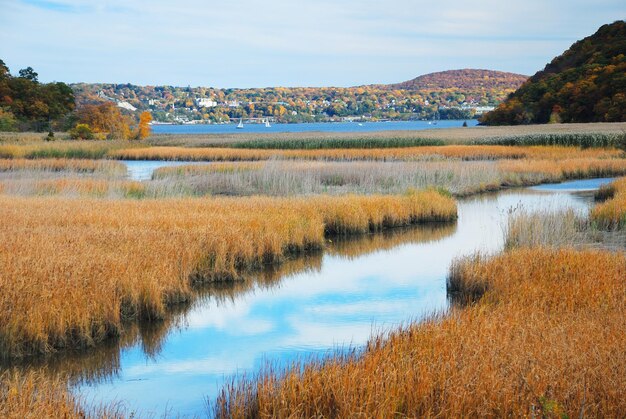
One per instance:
[(81, 132), (29, 74), (143, 130), (106, 119)]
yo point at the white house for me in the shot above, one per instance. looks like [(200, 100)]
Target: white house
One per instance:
[(205, 102)]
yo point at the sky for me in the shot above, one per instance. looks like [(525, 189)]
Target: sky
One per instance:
[(247, 43)]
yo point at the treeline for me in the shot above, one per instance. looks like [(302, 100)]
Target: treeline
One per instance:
[(587, 83), (26, 104)]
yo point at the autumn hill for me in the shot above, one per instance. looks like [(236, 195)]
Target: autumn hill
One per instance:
[(466, 79), (587, 83), (446, 95)]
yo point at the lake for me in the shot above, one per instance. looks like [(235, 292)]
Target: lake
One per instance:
[(310, 127), (307, 307)]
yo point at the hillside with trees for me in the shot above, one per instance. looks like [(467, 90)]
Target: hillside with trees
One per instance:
[(466, 79), (26, 104), (587, 83), (446, 95)]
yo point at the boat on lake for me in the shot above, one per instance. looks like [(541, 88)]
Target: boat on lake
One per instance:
[(240, 125)]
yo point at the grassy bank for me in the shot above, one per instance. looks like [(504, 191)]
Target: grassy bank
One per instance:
[(74, 270), (612, 213), (544, 338), (288, 178), (460, 152)]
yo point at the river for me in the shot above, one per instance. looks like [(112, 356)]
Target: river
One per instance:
[(310, 127), (306, 307)]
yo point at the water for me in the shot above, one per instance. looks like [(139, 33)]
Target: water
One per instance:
[(575, 185), (143, 169), (306, 307), (310, 127)]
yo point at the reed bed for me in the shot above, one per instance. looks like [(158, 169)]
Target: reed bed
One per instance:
[(109, 168), (461, 152), (612, 213), (71, 149), (74, 187), (361, 143), (544, 339), (545, 229), (584, 140), (35, 394), (542, 171), (289, 178), (74, 270), (447, 135)]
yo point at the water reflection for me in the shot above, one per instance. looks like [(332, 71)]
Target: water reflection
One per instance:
[(306, 306)]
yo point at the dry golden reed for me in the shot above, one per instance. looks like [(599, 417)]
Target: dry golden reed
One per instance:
[(546, 339), (63, 165), (464, 152), (73, 270), (612, 213)]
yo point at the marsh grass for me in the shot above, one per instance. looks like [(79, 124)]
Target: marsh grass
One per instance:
[(63, 149), (291, 178), (544, 337), (447, 135), (425, 153), (100, 167), (74, 270), (35, 394), (612, 213)]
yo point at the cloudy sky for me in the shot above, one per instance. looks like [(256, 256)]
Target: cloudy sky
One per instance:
[(246, 43)]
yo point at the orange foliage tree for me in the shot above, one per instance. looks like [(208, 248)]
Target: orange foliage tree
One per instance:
[(105, 119), (143, 130)]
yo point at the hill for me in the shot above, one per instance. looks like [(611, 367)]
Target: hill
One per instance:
[(587, 83), (446, 95), (467, 79)]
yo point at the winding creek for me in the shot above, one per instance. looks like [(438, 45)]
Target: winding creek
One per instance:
[(306, 307)]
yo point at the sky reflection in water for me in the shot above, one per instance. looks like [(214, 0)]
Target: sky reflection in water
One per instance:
[(340, 298)]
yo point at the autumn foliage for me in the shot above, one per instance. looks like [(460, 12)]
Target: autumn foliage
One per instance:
[(587, 83)]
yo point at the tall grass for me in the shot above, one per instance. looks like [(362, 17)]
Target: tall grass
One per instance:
[(529, 171), (612, 213), (73, 187), (462, 152), (544, 339), (545, 229), (37, 395), (279, 178), (584, 140), (315, 144), (64, 165), (74, 270), (447, 135), (63, 149)]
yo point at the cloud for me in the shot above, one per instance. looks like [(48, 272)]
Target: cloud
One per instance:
[(284, 42)]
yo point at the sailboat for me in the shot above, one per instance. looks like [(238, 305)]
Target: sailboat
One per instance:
[(267, 123), (240, 125)]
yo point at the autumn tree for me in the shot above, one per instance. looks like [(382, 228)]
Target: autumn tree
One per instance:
[(105, 119), (143, 129)]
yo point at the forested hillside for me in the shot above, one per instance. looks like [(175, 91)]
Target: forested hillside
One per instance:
[(587, 83), (466, 79), (26, 104)]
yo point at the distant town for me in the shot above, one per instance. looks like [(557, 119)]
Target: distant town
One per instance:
[(456, 94)]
